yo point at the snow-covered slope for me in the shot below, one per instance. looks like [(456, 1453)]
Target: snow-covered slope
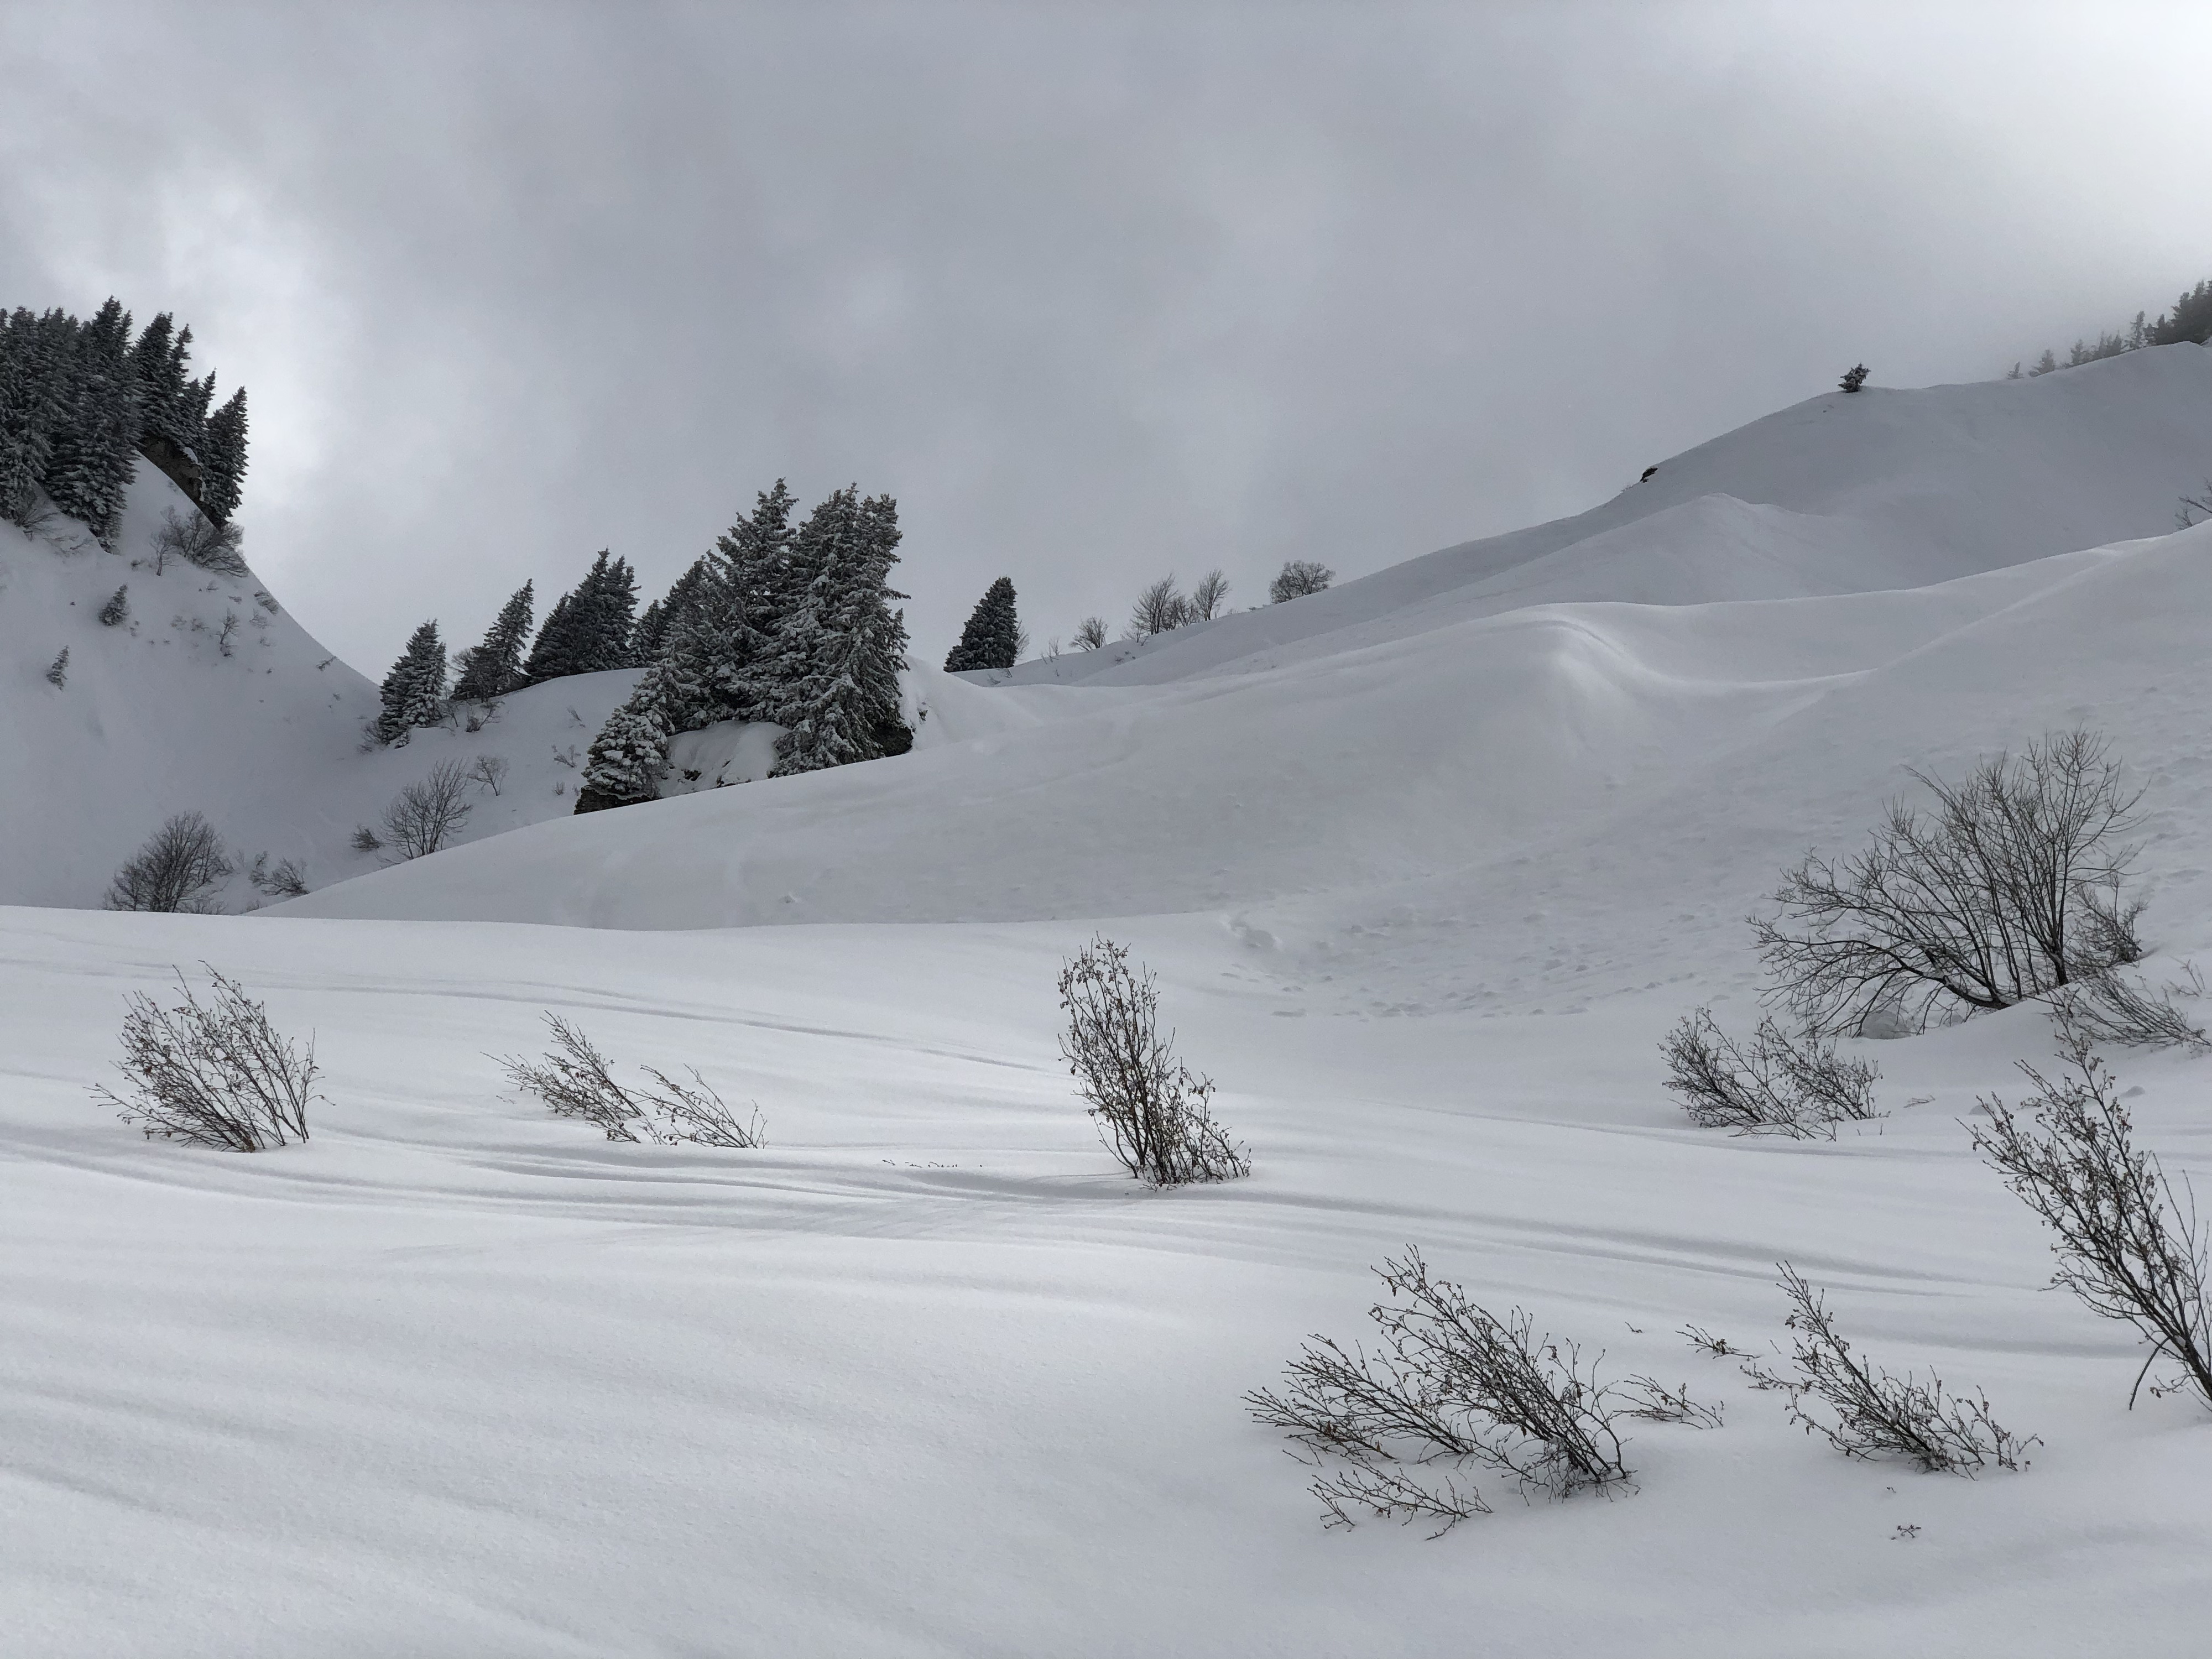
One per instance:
[(926, 1375), (261, 731), (1464, 725), (1838, 494)]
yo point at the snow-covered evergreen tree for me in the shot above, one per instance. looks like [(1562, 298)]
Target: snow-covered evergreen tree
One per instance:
[(844, 647), (742, 611), (590, 627), (27, 414), (993, 636), (222, 458), (96, 442), (413, 691), (630, 755), (494, 668)]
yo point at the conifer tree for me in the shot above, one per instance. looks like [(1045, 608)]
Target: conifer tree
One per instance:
[(494, 668), (26, 415), (993, 636), (96, 441), (590, 626), (745, 611), (222, 458), (413, 691), (630, 755), (841, 656)]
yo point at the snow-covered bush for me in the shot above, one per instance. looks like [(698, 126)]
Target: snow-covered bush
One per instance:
[(572, 1079), (1297, 578), (1872, 1413), (1854, 378), (2013, 886), (179, 869), (2128, 1245), (198, 540), (58, 670), (117, 611), (1449, 1385), (1781, 1086), (424, 814), (212, 1073), (1152, 1111)]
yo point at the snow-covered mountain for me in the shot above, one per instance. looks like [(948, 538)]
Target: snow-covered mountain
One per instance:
[(1460, 710), (1427, 865), (261, 729)]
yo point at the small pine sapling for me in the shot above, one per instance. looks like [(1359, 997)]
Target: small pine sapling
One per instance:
[(1853, 379), (58, 670), (117, 611)]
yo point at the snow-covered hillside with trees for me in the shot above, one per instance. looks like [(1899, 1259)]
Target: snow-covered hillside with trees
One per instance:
[(1429, 865)]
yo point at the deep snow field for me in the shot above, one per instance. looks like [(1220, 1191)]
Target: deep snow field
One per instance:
[(1427, 871)]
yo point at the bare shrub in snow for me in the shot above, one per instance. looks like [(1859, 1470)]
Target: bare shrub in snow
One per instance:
[(179, 869), (1299, 578), (1719, 1347), (2010, 888), (424, 815), (1872, 1413), (212, 1073), (1451, 1386), (1159, 609), (2128, 1244), (286, 880), (1152, 1111), (573, 1079), (1798, 1087), (2112, 1007), (197, 540), (1091, 634), (2194, 508), (489, 770), (1209, 598), (366, 840)]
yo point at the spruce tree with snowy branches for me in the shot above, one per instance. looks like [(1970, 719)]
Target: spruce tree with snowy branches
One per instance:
[(590, 628), (494, 668), (95, 443), (222, 458), (413, 691), (993, 636), (630, 755), (839, 658)]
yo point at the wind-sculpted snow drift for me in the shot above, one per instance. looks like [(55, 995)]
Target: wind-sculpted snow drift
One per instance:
[(1428, 865)]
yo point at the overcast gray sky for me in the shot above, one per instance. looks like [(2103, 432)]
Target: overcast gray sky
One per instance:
[(1097, 292)]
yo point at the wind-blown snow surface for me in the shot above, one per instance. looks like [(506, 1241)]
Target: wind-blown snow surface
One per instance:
[(926, 1375)]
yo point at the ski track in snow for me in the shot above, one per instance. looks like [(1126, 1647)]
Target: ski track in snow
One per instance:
[(925, 1374)]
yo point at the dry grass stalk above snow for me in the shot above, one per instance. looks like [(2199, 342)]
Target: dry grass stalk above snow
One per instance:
[(1152, 1110), (212, 1073), (1798, 1087), (1452, 1384), (2012, 887), (1874, 1414), (2129, 1245), (572, 1079)]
